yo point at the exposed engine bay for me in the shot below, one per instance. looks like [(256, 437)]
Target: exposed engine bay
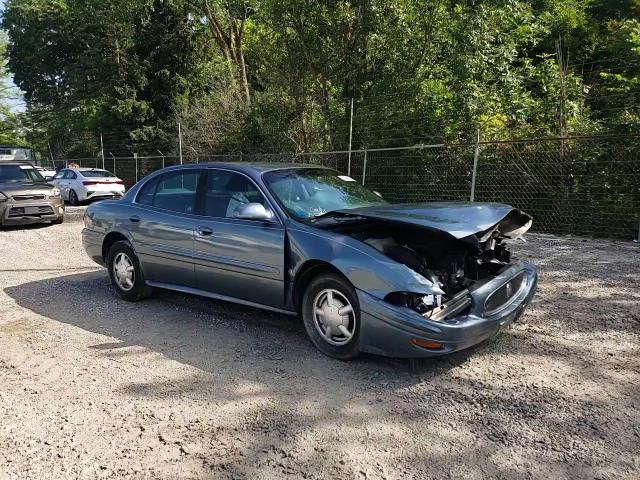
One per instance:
[(451, 264)]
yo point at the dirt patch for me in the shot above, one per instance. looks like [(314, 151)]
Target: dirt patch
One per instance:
[(182, 387)]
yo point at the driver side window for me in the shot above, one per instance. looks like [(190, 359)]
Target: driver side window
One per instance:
[(226, 191)]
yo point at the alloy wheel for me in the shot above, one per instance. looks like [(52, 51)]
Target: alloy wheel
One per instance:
[(123, 271), (334, 317)]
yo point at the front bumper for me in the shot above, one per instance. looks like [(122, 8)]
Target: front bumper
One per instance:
[(387, 329), (26, 213)]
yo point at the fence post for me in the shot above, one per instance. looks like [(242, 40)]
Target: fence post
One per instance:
[(114, 162), (102, 151), (135, 157), (350, 138), (476, 155), (364, 167), (180, 140)]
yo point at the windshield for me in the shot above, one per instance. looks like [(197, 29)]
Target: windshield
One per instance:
[(311, 192), (96, 173), (18, 173)]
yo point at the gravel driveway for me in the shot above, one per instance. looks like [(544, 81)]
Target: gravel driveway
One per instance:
[(181, 387)]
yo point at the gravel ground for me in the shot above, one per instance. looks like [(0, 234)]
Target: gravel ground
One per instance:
[(181, 387)]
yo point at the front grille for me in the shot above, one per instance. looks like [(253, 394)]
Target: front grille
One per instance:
[(25, 198), (37, 211), (503, 296)]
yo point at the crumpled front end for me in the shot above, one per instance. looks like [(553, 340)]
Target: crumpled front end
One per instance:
[(488, 306)]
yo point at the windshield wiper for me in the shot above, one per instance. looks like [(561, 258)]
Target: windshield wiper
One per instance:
[(334, 216)]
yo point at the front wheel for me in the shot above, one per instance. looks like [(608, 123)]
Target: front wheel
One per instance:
[(331, 315), (125, 272)]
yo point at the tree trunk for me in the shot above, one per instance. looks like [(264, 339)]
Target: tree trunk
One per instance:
[(230, 45)]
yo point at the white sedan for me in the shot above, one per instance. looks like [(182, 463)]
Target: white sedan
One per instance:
[(47, 173), (81, 184)]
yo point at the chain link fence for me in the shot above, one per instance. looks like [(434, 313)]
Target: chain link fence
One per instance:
[(581, 185)]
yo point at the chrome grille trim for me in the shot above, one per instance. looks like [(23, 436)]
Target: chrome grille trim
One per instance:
[(24, 198), (505, 295), (31, 211)]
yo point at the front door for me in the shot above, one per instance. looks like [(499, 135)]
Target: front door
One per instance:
[(242, 259), (162, 227)]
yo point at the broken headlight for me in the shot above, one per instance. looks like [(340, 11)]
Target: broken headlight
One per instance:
[(418, 302)]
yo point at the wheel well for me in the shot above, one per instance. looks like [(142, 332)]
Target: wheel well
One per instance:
[(109, 240), (307, 273)]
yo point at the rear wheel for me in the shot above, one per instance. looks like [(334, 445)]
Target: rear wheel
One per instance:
[(331, 315), (125, 272), (73, 198)]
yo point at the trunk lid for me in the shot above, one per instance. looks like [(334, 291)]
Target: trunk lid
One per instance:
[(458, 219)]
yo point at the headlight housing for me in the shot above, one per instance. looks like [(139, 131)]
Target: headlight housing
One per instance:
[(418, 302), (3, 197), (55, 193)]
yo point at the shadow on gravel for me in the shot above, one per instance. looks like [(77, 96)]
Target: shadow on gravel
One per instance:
[(275, 388), (195, 330)]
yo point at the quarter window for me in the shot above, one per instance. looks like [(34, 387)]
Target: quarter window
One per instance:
[(148, 191), (226, 191), (176, 191)]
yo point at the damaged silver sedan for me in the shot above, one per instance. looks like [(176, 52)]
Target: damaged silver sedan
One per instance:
[(409, 281)]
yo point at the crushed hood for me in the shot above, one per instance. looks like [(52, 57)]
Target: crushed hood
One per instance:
[(458, 219)]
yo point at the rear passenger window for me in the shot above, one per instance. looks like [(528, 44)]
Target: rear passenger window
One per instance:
[(176, 191), (147, 192)]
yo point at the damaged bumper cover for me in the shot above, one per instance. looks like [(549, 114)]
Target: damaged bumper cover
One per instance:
[(473, 316)]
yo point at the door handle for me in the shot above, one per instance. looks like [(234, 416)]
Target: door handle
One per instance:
[(205, 231), (134, 219)]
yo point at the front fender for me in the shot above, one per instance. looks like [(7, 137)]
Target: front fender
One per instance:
[(365, 267)]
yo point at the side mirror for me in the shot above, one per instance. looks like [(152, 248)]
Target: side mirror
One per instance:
[(253, 211)]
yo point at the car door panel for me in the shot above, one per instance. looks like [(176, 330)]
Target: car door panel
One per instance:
[(243, 259), (163, 238), (164, 244)]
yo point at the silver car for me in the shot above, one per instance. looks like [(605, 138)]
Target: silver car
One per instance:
[(414, 280), (26, 197)]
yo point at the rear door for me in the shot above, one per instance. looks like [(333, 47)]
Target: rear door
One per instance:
[(243, 259), (162, 227)]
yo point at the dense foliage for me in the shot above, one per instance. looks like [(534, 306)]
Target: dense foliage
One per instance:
[(274, 75)]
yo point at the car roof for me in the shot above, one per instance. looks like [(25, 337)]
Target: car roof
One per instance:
[(259, 167), (22, 163)]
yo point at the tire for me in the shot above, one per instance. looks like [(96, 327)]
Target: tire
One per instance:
[(330, 337), (123, 252), (73, 198)]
